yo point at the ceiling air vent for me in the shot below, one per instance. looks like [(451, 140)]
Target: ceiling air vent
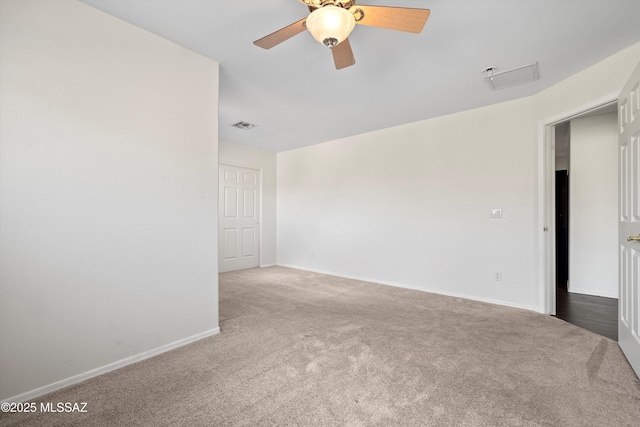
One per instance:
[(513, 77), (243, 125)]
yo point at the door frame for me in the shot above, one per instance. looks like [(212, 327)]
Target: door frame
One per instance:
[(546, 226), (255, 168)]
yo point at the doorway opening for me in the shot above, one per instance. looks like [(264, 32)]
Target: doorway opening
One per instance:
[(580, 242)]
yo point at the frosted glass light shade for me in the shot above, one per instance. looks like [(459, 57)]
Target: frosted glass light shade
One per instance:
[(330, 25)]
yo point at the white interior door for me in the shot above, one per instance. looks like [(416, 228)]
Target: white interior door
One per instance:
[(629, 225), (239, 222)]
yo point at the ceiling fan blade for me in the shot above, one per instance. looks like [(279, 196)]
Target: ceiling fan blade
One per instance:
[(283, 34), (406, 19), (343, 55)]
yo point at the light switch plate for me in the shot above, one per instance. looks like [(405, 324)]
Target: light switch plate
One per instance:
[(496, 213)]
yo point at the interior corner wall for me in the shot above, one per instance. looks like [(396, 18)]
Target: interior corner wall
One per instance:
[(108, 195), (410, 205), (249, 157), (602, 79), (593, 206)]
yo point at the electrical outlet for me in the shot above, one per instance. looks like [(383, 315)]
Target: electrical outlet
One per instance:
[(497, 276), (313, 254)]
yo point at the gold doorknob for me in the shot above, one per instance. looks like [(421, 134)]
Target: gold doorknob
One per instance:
[(631, 238)]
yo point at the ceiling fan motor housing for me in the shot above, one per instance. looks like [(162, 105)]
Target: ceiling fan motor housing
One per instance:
[(317, 4)]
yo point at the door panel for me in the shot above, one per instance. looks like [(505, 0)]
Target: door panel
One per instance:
[(249, 208), (629, 220), (239, 224), (230, 202), (248, 241), (635, 149), (635, 319), (230, 239)]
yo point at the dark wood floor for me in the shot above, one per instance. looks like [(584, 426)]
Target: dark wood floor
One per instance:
[(596, 314)]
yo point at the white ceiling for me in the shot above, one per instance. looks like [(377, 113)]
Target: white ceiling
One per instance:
[(296, 97)]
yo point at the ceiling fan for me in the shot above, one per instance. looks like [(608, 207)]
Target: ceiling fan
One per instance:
[(331, 21)]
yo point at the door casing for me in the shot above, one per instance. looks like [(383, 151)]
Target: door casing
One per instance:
[(546, 227)]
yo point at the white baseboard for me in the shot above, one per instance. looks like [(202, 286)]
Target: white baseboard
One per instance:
[(110, 367), (416, 288), (591, 292), (268, 265)]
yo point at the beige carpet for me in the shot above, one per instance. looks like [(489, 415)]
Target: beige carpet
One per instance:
[(305, 349)]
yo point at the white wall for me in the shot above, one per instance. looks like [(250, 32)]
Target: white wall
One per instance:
[(109, 195), (254, 158), (410, 205), (593, 206)]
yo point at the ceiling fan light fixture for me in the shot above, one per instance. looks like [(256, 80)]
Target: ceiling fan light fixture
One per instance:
[(330, 25)]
